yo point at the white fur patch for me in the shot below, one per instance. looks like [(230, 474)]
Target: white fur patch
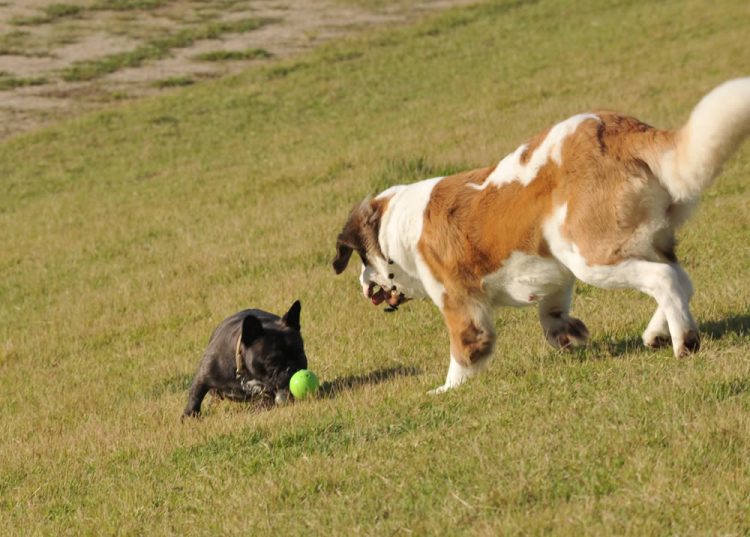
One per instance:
[(282, 397), (525, 279), (458, 374), (400, 231), (510, 168)]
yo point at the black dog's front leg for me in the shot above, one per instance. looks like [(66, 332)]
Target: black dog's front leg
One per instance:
[(198, 391)]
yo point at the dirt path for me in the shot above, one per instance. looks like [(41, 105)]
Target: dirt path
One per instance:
[(42, 40)]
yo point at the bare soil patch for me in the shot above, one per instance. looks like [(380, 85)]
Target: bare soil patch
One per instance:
[(40, 40)]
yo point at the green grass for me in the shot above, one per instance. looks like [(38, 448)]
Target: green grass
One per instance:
[(13, 42), (31, 21), (174, 81), (158, 48), (21, 43), (9, 83), (231, 55), (130, 233), (57, 11), (128, 5), (52, 13)]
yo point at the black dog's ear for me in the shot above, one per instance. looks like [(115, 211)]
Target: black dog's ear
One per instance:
[(291, 318), (251, 330)]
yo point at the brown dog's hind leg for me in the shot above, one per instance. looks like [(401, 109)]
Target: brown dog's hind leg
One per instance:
[(560, 329)]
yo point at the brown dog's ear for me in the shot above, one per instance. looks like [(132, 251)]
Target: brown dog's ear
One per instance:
[(291, 318), (354, 235), (343, 253)]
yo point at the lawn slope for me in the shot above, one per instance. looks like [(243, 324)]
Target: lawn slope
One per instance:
[(128, 234)]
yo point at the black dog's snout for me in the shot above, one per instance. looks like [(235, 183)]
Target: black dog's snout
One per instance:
[(283, 376)]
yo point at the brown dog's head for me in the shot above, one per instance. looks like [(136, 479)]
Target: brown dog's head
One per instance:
[(361, 234)]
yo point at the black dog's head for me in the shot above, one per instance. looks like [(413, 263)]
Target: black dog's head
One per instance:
[(273, 351)]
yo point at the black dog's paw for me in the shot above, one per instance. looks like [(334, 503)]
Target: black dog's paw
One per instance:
[(190, 416), (252, 387)]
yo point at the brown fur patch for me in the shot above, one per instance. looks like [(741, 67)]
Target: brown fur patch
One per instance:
[(472, 337), (610, 187), (468, 233)]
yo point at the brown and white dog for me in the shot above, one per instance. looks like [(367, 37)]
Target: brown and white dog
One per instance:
[(596, 197)]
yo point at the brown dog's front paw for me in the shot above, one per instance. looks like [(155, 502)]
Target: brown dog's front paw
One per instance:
[(657, 342), (572, 333), (690, 344)]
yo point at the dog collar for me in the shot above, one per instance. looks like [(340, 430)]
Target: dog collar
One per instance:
[(238, 356), (249, 385), (393, 307)]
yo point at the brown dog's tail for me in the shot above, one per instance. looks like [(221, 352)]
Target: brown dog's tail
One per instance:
[(716, 128)]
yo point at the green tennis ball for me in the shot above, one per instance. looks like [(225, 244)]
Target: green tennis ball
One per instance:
[(303, 383)]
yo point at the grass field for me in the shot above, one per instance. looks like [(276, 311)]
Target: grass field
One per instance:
[(129, 234)]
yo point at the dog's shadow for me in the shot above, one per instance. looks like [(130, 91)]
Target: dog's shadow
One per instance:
[(335, 387), (738, 325)]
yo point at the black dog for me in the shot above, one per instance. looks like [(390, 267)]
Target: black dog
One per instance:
[(250, 356)]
